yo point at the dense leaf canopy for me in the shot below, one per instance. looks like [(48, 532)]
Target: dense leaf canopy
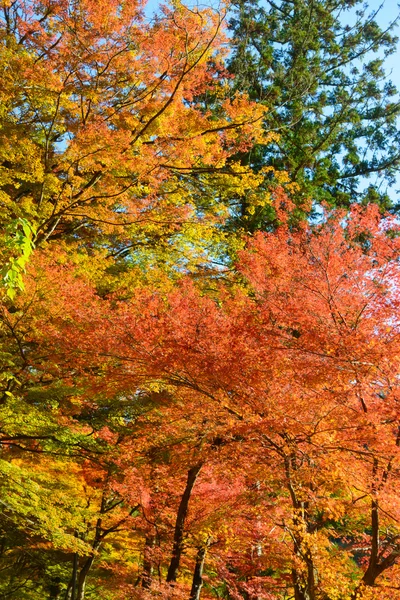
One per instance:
[(190, 409)]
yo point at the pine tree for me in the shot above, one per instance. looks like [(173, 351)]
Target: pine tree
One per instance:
[(319, 67)]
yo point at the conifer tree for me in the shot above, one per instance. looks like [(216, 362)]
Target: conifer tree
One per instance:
[(319, 66)]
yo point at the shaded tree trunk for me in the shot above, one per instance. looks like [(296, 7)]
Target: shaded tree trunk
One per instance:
[(304, 587), (55, 589), (304, 584), (72, 586), (78, 581), (82, 578), (197, 582), (180, 523), (148, 566)]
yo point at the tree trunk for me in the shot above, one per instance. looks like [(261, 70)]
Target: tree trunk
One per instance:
[(303, 584), (74, 576), (372, 571), (148, 566), (82, 578), (79, 580), (302, 591), (197, 582), (55, 589), (180, 523)]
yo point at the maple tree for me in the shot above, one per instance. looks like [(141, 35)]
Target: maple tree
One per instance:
[(289, 380), (105, 141)]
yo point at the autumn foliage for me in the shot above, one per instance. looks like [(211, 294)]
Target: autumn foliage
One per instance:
[(173, 426)]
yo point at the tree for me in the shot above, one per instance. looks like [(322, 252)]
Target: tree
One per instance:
[(298, 370), (320, 68), (104, 141)]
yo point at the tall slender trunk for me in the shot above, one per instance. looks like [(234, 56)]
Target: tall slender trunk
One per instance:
[(79, 577), (304, 584), (197, 582), (74, 576), (83, 576), (373, 568), (180, 523), (148, 566), (304, 587)]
